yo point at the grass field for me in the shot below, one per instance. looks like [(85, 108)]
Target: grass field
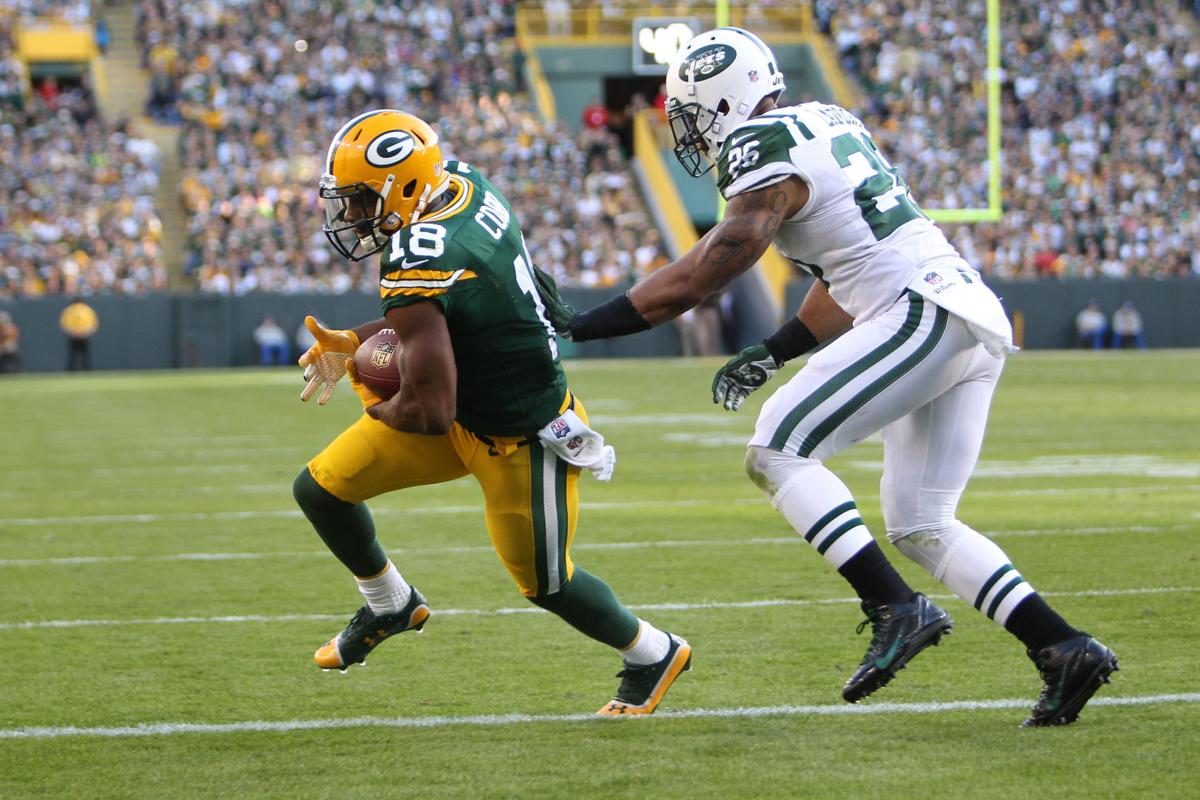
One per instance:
[(162, 599)]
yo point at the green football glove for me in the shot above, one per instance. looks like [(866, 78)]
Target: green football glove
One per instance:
[(558, 310), (742, 374)]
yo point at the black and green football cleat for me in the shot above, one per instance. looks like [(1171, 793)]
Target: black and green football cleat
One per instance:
[(898, 632), (1071, 671), (643, 687), (367, 629)]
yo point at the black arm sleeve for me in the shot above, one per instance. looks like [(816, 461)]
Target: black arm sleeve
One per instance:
[(617, 317), (792, 339)]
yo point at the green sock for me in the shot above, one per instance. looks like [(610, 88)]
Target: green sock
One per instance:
[(346, 528), (587, 604)]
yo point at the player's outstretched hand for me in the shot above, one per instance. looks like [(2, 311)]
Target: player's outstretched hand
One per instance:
[(742, 374), (558, 310), (325, 362)]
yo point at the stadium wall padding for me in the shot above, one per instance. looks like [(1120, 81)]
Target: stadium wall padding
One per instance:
[(163, 331)]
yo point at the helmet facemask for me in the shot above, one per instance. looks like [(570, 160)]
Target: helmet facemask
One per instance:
[(690, 125), (354, 215)]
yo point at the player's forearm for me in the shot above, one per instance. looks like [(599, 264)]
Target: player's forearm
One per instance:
[(725, 252), (369, 329), (822, 314)]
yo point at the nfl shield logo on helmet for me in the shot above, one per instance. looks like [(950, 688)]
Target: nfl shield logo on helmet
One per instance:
[(752, 76), (560, 428)]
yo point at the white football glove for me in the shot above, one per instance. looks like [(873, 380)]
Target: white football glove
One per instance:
[(325, 362), (741, 375)]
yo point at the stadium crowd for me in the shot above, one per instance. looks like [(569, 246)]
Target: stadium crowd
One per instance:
[(256, 116), (1100, 168), (76, 191), (1101, 164)]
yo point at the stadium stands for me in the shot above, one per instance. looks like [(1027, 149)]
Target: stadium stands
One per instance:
[(256, 117), (76, 190), (1101, 145)]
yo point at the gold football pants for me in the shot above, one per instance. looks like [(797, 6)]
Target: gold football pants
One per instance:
[(531, 497)]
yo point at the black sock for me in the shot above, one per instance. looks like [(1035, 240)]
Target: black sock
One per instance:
[(1038, 625), (874, 578)]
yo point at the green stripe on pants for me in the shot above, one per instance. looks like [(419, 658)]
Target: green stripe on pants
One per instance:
[(837, 382), (537, 507), (831, 423)]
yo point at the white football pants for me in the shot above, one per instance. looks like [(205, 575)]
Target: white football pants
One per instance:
[(917, 374)]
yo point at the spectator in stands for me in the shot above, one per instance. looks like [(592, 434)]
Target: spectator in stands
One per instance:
[(10, 344), (1091, 325), (272, 342), (1127, 329), (79, 322), (595, 115)]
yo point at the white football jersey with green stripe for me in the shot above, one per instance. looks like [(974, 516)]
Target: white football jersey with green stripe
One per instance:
[(861, 231)]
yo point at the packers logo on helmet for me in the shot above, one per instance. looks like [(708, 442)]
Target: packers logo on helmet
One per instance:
[(382, 170), (389, 149)]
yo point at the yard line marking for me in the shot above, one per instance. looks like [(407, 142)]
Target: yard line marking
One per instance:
[(640, 545), (99, 519), (498, 612), (492, 720), (78, 560), (477, 508)]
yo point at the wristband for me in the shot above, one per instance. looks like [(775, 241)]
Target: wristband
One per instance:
[(792, 339), (617, 317)]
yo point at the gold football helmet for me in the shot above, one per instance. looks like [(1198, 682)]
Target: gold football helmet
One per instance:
[(382, 169)]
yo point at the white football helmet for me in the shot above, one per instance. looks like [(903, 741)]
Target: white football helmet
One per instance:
[(713, 84)]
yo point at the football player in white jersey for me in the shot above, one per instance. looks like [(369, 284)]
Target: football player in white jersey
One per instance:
[(920, 342)]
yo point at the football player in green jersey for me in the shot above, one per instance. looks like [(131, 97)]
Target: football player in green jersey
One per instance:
[(915, 343), (483, 393)]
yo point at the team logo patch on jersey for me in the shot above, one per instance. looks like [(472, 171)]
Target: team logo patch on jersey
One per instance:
[(933, 279), (560, 428), (381, 356), (707, 62), (389, 148)]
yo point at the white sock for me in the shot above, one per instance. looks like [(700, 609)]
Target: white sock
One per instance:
[(650, 646), (970, 565), (387, 592), (816, 503)]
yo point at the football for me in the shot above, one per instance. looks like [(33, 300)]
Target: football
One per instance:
[(377, 362)]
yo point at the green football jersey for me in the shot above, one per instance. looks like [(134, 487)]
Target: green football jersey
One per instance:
[(470, 258)]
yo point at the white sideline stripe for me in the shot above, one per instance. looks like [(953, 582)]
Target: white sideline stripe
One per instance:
[(490, 720), (497, 612), (643, 545)]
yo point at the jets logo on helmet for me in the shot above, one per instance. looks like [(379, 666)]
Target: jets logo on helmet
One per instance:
[(706, 99), (389, 149), (707, 62)]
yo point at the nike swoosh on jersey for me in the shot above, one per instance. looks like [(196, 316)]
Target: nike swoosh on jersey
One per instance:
[(406, 264)]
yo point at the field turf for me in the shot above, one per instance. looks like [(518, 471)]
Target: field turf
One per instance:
[(162, 597)]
